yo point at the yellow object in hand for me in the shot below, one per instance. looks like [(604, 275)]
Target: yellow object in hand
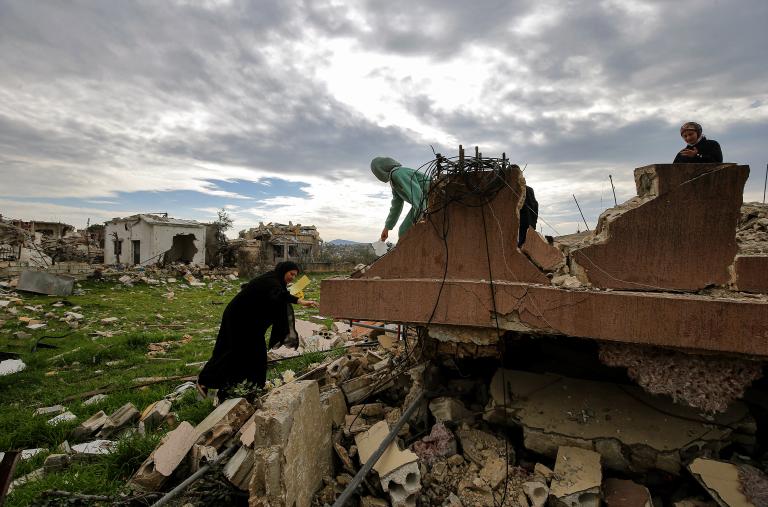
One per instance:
[(298, 286)]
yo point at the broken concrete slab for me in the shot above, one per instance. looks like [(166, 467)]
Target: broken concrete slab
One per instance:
[(632, 430), (239, 468), (479, 445), (334, 406), (166, 457), (537, 493), (682, 236), (223, 422), (577, 480), (721, 480), (95, 399), (625, 493), (96, 447), (292, 446), (90, 426), (393, 457), (45, 283), (119, 420), (546, 256)]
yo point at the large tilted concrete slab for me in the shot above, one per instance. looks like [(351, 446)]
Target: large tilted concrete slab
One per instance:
[(686, 249)]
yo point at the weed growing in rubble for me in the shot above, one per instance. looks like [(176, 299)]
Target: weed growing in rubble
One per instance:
[(111, 356)]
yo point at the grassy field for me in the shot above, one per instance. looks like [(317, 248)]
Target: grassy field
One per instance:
[(110, 356)]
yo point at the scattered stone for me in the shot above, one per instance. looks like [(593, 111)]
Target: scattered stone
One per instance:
[(96, 447), (109, 320), (90, 426), (577, 478), (21, 335), (478, 445), (159, 466), (449, 409), (36, 325), (239, 468), (440, 443), (118, 420), (95, 399), (623, 493), (11, 366), (721, 480), (155, 414), (66, 416), (55, 409), (223, 422)]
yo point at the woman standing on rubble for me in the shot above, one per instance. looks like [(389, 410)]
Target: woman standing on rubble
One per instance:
[(240, 353)]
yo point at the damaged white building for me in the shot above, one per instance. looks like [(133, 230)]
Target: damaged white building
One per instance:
[(146, 239)]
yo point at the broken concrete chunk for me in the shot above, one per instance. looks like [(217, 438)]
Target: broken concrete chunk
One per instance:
[(293, 446), (477, 443), (45, 283), (721, 480), (95, 447), (156, 413), (118, 420), (623, 493), (95, 399), (449, 409), (537, 493), (543, 472), (393, 457), (632, 430), (90, 426), (440, 443), (66, 416), (403, 485), (165, 458), (578, 476), (223, 422), (10, 366), (239, 468), (334, 406), (543, 254), (199, 455), (55, 409)]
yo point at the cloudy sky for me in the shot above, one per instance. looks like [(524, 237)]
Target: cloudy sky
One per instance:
[(274, 109)]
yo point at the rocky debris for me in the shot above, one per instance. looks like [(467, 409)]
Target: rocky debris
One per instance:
[(11, 366), (119, 420), (403, 485), (156, 413), (439, 444), (96, 398), (55, 409), (577, 479), (95, 447), (292, 446), (537, 492), (722, 482), (752, 229), (624, 493), (754, 484), (240, 467), (166, 457), (64, 417), (446, 408), (90, 426), (710, 383), (633, 431)]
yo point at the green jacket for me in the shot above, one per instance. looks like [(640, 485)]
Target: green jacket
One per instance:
[(407, 185)]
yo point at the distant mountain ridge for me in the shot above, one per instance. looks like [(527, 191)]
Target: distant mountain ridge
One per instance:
[(343, 242)]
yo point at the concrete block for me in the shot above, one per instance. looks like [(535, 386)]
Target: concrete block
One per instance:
[(119, 420), (156, 413), (90, 426), (239, 468), (45, 283), (334, 405), (403, 485), (223, 422), (537, 493), (446, 408), (292, 447), (166, 457), (578, 477)]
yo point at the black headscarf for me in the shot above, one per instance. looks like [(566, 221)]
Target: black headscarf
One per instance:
[(283, 267)]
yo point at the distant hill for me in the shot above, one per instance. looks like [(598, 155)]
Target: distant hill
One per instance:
[(343, 242)]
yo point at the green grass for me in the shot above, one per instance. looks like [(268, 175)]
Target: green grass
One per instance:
[(85, 362)]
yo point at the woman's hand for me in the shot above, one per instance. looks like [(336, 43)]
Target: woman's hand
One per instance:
[(307, 302)]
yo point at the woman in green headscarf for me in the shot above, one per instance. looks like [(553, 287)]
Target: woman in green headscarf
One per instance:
[(408, 186)]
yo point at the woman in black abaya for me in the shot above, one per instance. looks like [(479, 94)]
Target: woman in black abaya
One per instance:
[(240, 352)]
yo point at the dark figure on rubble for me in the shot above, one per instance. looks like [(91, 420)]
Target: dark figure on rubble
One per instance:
[(698, 148), (240, 353), (529, 215)]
